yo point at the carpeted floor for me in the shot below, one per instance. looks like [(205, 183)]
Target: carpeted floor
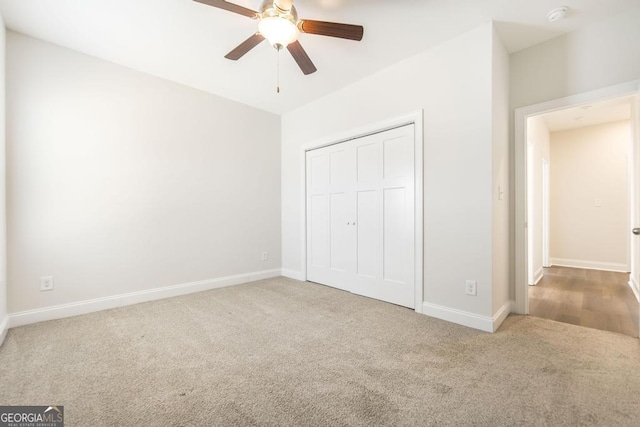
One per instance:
[(282, 352)]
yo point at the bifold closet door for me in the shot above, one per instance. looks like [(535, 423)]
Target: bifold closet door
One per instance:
[(360, 216), (330, 251)]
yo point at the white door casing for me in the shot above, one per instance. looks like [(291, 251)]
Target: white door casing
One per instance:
[(530, 211), (546, 226), (634, 278)]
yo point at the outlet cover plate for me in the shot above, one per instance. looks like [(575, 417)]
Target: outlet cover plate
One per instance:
[(471, 288), (46, 283)]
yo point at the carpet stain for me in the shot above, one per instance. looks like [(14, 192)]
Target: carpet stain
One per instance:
[(442, 388), (549, 370)]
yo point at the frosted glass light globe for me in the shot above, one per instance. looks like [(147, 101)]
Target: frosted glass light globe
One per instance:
[(279, 31)]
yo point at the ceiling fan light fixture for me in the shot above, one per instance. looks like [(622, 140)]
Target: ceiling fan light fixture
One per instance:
[(279, 31), (278, 23)]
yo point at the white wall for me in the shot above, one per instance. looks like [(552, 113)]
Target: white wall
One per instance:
[(452, 84), (3, 217), (500, 165), (538, 138), (601, 55), (587, 164), (121, 182)]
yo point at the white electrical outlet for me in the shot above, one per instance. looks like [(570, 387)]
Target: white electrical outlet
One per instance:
[(46, 283), (265, 256), (471, 288)]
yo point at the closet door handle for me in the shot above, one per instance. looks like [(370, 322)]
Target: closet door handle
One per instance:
[(636, 231)]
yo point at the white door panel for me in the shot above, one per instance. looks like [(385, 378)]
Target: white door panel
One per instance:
[(395, 235), (319, 231), (367, 234), (320, 217), (392, 241), (338, 235), (361, 216), (398, 157), (319, 174), (367, 160), (338, 169)]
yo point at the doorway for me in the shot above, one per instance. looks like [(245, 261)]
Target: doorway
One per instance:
[(544, 258)]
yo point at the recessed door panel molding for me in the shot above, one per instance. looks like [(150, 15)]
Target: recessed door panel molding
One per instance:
[(338, 241), (367, 215), (398, 157), (395, 236), (319, 231), (338, 169), (367, 160), (319, 174), (368, 240)]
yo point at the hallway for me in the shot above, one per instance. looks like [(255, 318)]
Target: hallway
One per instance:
[(592, 298)]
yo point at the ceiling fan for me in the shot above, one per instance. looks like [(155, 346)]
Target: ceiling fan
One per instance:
[(278, 23)]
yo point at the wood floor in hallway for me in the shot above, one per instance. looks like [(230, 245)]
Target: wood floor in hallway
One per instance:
[(592, 298)]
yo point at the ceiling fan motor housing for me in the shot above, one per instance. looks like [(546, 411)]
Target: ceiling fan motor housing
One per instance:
[(273, 8)]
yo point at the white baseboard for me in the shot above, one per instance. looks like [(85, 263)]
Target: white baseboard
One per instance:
[(115, 301), (635, 288), (4, 328), (464, 318), (591, 265), (292, 274), (502, 313), (538, 276)]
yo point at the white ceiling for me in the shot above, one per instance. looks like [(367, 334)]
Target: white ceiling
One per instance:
[(612, 110), (185, 41)]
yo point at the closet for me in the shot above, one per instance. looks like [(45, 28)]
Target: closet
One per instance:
[(360, 207)]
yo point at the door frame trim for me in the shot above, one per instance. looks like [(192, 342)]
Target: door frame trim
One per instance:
[(415, 118), (520, 123), (546, 212)]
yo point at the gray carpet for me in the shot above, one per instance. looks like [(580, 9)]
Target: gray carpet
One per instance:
[(282, 352)]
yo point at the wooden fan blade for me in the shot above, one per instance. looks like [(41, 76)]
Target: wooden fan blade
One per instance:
[(301, 57), (245, 47), (221, 4), (332, 29)]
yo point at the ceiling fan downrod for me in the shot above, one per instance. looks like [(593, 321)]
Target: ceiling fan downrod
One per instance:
[(278, 49), (283, 6)]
